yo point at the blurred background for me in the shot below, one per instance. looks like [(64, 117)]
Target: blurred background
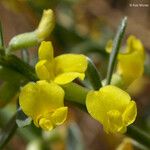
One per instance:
[(82, 26)]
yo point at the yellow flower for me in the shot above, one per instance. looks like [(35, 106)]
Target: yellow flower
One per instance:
[(112, 107), (131, 63), (61, 69), (44, 103)]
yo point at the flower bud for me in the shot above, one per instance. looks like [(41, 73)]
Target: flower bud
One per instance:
[(29, 39), (46, 25)]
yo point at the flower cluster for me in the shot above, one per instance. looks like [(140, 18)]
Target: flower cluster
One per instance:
[(43, 101)]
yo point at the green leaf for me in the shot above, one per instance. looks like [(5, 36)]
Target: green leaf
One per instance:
[(8, 91), (16, 64), (93, 76), (7, 74), (21, 119), (115, 49)]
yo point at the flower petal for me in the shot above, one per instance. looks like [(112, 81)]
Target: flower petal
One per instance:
[(46, 24), (114, 98), (127, 63), (46, 51), (93, 104), (70, 63), (41, 70), (65, 78), (114, 121), (59, 116), (46, 124), (133, 59), (44, 70), (134, 44), (130, 113), (39, 98)]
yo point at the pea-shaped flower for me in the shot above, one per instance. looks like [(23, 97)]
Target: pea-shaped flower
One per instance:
[(61, 69), (44, 103), (131, 63), (112, 107)]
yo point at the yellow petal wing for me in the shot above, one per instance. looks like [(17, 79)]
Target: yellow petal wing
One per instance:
[(68, 77), (130, 113), (74, 64)]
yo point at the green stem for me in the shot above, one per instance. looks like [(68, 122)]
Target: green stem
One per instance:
[(8, 132), (115, 49), (71, 93)]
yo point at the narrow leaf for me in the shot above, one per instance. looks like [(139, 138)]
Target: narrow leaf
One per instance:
[(93, 76), (115, 49), (8, 92), (16, 64)]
